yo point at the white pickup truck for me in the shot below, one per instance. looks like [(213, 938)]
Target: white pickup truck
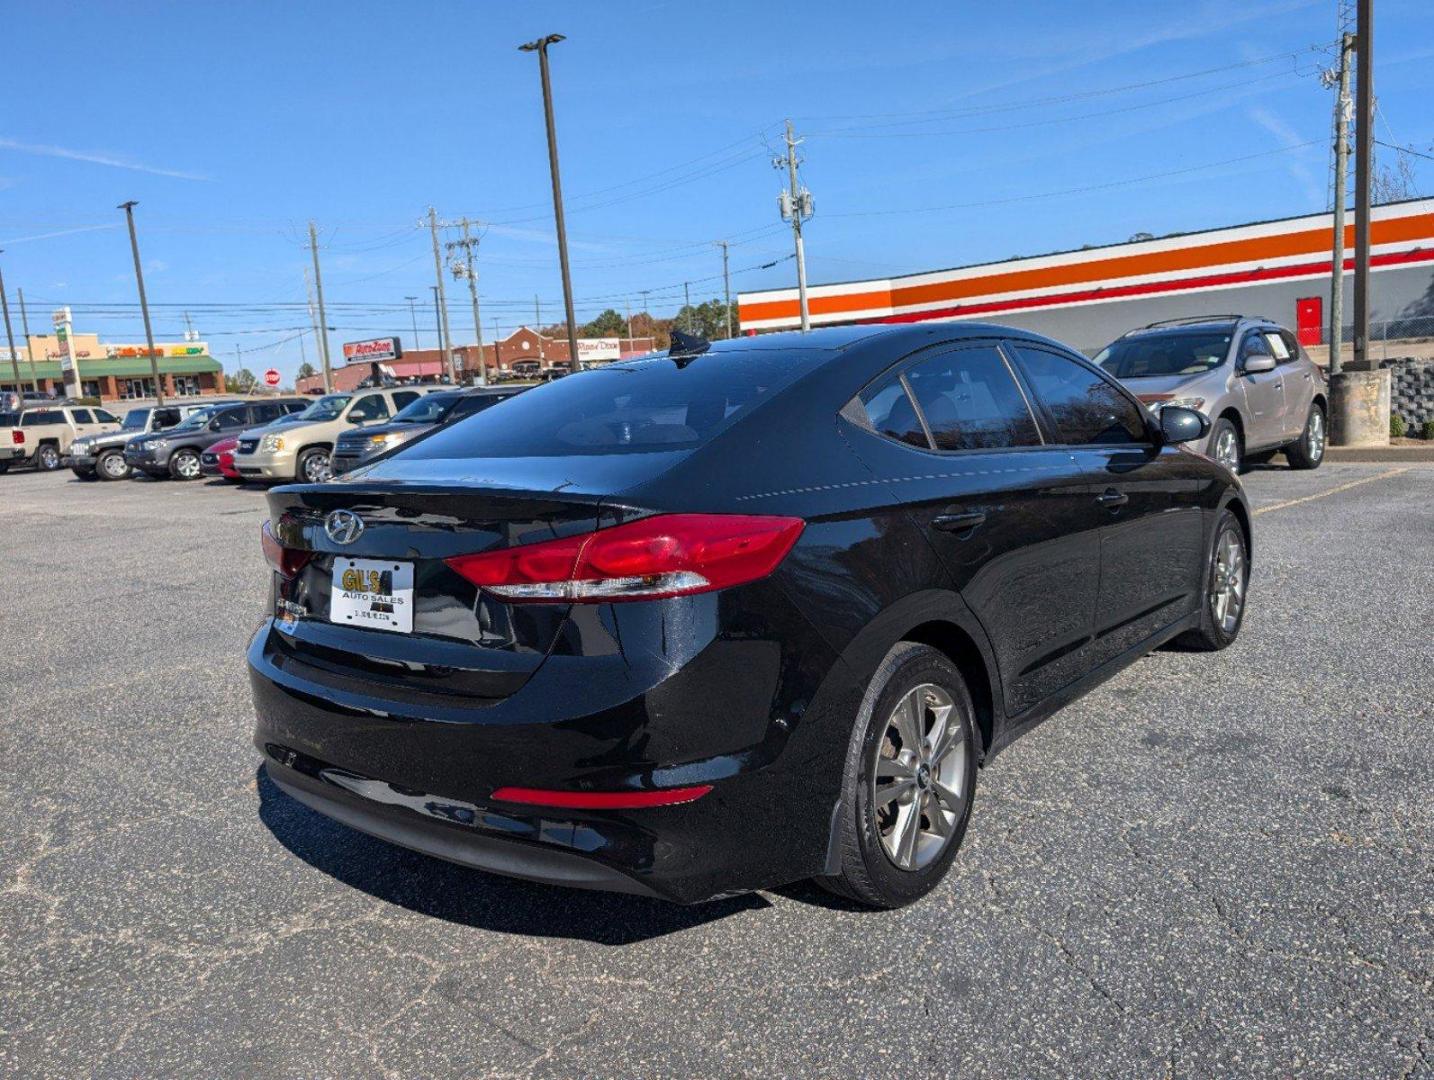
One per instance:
[(42, 436)]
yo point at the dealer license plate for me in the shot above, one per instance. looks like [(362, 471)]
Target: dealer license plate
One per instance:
[(375, 593)]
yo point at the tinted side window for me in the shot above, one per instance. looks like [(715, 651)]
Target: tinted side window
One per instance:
[(105, 417), (891, 412), (231, 419), (295, 406), (372, 407), (165, 418), (35, 417), (1086, 409), (1285, 345), (971, 402), (404, 397), (264, 413), (81, 416)]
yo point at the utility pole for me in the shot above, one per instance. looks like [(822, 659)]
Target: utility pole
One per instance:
[(413, 317), (128, 208), (726, 289), (10, 337), (468, 268), (1364, 167), (538, 326), (25, 329), (437, 316), (445, 341), (1343, 109), (629, 322), (687, 305), (796, 207), (323, 316), (318, 334), (540, 47), (189, 334)]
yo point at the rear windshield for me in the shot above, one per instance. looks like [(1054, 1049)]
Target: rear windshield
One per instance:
[(9, 419), (636, 407), (428, 409), (1165, 354)]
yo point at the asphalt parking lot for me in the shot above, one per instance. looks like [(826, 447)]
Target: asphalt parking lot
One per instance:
[(1212, 866)]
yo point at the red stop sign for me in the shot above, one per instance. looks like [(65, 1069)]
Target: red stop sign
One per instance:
[(271, 377)]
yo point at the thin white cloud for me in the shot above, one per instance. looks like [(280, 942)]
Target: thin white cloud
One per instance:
[(110, 160), (1288, 136), (52, 235)]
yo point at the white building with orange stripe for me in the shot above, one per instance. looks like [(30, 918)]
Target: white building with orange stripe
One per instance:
[(1278, 269)]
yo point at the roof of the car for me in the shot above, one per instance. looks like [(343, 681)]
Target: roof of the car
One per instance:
[(1214, 322)]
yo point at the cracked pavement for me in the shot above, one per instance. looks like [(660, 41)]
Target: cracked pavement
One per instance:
[(1214, 865)]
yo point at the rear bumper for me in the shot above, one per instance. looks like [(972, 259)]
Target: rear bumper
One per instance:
[(12, 453), (423, 776)]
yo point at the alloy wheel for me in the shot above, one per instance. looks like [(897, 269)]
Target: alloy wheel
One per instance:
[(1227, 586), (113, 466), (919, 777), (1314, 437), (1227, 449), (317, 468), (187, 466)]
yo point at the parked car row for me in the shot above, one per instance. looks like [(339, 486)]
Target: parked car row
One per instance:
[(269, 440)]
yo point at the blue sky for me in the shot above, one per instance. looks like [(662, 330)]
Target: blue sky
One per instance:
[(234, 124)]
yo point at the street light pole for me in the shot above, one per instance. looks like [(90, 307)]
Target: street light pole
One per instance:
[(25, 330), (10, 337), (128, 208), (540, 47), (413, 315)]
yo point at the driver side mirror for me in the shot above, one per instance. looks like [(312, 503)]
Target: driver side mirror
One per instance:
[(1179, 424), (356, 419), (1254, 365)]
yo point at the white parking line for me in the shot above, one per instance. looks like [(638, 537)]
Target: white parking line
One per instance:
[(1331, 491)]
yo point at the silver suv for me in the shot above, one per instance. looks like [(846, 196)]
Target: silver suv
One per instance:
[(1261, 391)]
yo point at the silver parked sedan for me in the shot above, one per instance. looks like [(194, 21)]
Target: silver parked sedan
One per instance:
[(1261, 391)]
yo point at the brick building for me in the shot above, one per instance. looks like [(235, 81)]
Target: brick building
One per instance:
[(524, 347)]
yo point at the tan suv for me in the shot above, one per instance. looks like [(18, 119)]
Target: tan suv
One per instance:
[(42, 437), (299, 447)]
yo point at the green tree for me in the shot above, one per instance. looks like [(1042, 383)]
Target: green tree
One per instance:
[(608, 324), (706, 320), (241, 382), (306, 370)]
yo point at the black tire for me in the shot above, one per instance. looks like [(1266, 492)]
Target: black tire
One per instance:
[(4, 467), (1308, 451), (112, 466), (83, 474), (308, 469), (1222, 430), (868, 874), (1213, 635), (184, 464), (47, 457)]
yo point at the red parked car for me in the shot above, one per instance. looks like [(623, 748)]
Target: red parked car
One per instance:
[(218, 460)]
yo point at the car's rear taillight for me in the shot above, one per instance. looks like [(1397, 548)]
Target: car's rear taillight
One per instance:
[(661, 556), (17, 437), (288, 561)]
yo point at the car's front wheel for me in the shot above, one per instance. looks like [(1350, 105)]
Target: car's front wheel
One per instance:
[(910, 773), (1308, 452), (1227, 584), (314, 465), (112, 466), (184, 465), (1225, 445)]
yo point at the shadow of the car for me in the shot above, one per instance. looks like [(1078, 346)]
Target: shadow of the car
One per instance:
[(458, 894)]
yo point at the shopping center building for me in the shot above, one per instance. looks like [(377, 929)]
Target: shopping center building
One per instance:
[(1278, 269), (111, 372)]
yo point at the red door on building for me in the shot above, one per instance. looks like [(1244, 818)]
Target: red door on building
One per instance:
[(1309, 319)]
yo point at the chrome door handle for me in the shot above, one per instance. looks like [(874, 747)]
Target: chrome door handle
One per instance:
[(957, 523), (1112, 499)]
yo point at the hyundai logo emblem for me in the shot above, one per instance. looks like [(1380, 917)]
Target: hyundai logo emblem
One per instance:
[(343, 526)]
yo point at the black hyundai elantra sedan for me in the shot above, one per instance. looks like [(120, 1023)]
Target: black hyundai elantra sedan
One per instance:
[(738, 615)]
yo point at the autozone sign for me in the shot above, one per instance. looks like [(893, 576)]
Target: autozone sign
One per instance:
[(376, 350)]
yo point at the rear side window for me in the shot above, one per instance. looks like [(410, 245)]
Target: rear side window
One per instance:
[(1086, 409), (640, 406), (230, 419), (891, 412), (971, 402), (81, 416), (36, 417), (103, 416), (404, 398)]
